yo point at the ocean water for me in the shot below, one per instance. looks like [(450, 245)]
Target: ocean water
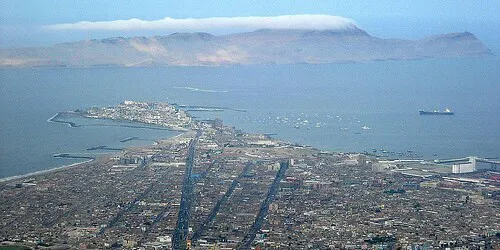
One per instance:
[(325, 106)]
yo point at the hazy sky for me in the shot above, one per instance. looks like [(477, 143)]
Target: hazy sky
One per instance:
[(31, 23)]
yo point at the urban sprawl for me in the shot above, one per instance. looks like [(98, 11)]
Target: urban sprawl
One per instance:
[(215, 187)]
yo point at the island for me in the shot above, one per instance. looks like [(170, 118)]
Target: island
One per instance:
[(217, 187), (260, 47)]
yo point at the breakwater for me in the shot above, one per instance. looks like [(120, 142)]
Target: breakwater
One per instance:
[(103, 147), (73, 156), (206, 108), (58, 118), (129, 139)]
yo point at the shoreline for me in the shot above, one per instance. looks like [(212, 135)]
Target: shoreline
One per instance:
[(46, 171), (54, 119), (140, 125), (4, 180)]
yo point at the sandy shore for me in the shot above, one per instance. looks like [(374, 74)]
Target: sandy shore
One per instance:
[(76, 164), (61, 168), (178, 137)]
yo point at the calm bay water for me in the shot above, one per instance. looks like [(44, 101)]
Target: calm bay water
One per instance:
[(337, 100)]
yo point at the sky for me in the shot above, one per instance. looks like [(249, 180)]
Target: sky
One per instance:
[(41, 22)]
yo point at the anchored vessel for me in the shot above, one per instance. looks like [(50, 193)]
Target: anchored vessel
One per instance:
[(436, 112)]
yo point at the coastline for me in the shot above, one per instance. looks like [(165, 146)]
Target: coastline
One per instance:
[(56, 118), (46, 171), (76, 164), (142, 125)]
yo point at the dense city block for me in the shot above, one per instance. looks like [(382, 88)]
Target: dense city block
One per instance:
[(215, 187)]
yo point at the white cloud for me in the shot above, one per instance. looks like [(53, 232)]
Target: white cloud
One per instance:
[(303, 21)]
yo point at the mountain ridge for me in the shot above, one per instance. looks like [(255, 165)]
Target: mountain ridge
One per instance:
[(263, 46)]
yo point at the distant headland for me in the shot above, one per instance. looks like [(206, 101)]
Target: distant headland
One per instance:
[(264, 46)]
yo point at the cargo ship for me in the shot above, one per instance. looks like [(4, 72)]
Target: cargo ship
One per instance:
[(436, 112)]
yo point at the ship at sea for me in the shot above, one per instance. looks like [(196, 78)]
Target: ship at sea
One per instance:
[(436, 112)]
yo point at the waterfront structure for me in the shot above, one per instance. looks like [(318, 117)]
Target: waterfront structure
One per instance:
[(471, 164)]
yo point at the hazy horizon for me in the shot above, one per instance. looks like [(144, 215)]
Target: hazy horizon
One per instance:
[(346, 124), (21, 26)]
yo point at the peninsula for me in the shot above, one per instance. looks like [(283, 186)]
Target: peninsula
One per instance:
[(154, 113)]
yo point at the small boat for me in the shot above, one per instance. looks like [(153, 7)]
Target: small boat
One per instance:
[(366, 128)]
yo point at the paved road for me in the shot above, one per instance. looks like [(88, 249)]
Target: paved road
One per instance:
[(199, 232), (247, 241), (182, 229)]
